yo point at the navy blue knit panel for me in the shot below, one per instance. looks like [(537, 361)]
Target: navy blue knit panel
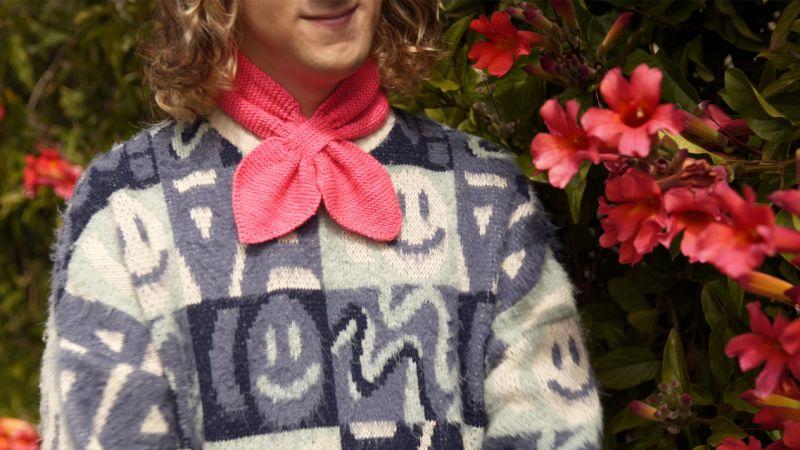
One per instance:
[(246, 385)]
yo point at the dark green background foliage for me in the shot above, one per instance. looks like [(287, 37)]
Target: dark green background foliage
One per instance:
[(70, 75)]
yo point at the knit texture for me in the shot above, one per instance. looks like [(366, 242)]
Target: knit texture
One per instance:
[(305, 161), (165, 331)]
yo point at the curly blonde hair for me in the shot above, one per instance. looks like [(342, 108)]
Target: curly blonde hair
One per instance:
[(191, 53)]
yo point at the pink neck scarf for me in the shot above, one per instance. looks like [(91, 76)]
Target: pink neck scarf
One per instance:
[(304, 161)]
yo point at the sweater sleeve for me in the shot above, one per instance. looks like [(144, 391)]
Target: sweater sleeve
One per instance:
[(539, 389), (102, 382)]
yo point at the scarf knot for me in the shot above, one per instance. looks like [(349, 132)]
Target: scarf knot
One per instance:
[(310, 138), (303, 162)]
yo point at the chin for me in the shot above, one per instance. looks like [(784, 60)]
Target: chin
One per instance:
[(337, 61)]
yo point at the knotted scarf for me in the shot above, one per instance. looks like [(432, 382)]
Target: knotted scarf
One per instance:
[(304, 161)]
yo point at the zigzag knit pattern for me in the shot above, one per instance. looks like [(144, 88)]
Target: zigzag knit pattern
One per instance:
[(164, 331), (304, 161)]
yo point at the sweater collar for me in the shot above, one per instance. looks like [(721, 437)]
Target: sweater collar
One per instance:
[(245, 141)]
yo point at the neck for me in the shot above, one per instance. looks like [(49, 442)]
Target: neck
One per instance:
[(309, 89)]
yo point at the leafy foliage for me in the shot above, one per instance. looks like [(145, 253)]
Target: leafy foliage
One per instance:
[(71, 79), (662, 321)]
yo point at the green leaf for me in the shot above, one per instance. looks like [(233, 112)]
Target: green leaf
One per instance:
[(726, 29), (627, 295), (722, 302), (743, 97), (575, 190), (700, 395), (445, 83), (517, 95), (783, 56), (20, 61), (736, 296), (747, 100), (674, 12), (449, 116), (723, 427), (693, 51), (788, 103), (456, 31), (625, 367), (674, 363), (784, 25), (778, 130), (691, 147), (595, 31), (721, 311), (785, 82), (527, 167), (726, 8), (732, 396), (626, 420), (644, 321)]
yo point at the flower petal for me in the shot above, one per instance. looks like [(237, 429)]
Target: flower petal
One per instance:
[(501, 64), (768, 379), (635, 142), (501, 21), (646, 85), (483, 26), (615, 88)]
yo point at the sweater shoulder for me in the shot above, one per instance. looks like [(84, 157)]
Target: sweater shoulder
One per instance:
[(467, 151), (128, 164)]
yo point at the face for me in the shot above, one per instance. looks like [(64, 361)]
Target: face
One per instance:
[(319, 38)]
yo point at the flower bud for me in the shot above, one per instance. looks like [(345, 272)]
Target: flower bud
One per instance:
[(765, 285), (643, 410), (515, 12), (698, 127), (614, 33), (586, 72), (535, 17), (549, 65), (566, 11), (769, 400), (536, 70)]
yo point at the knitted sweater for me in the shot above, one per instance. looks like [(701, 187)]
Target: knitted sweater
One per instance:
[(165, 332)]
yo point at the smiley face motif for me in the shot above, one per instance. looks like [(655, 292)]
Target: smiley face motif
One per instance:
[(423, 245), (285, 362), (563, 368)]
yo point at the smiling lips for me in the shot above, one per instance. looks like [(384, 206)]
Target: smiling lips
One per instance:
[(337, 20)]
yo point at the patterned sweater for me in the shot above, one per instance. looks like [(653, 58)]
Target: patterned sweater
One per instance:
[(165, 332)]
